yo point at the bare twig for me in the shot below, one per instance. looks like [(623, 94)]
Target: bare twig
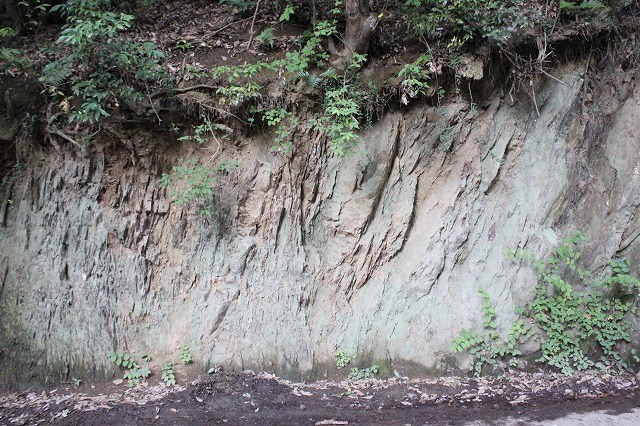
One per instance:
[(550, 76), (51, 130), (253, 21), (153, 107), (222, 111), (585, 79), (63, 135), (182, 90), (227, 26), (533, 97)]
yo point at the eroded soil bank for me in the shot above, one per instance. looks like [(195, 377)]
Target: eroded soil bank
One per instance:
[(263, 399)]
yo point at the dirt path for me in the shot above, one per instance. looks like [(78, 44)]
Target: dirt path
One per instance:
[(250, 399)]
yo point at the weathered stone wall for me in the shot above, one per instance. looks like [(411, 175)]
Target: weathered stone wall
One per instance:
[(380, 253)]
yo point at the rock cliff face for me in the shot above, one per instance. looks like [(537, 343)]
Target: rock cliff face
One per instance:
[(379, 253)]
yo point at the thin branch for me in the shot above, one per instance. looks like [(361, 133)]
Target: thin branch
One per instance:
[(227, 26), (182, 90), (585, 79), (535, 103), (153, 107), (63, 136), (222, 111), (253, 21), (550, 76)]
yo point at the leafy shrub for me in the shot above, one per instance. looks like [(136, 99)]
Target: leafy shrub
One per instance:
[(7, 32), (101, 67), (342, 106), (342, 358), (285, 123), (135, 374), (266, 38), (577, 329), (34, 11), (487, 347), (414, 78), (197, 182), (463, 20), (242, 5), (12, 60)]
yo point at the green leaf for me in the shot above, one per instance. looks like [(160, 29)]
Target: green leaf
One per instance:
[(286, 13)]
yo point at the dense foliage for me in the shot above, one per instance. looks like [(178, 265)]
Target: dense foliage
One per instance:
[(94, 68), (105, 58)]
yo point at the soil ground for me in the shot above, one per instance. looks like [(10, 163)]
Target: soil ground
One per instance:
[(263, 399)]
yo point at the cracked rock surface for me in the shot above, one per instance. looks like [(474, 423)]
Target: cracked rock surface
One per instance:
[(380, 253)]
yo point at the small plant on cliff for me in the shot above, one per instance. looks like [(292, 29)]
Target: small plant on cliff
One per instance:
[(343, 358), (343, 97), (185, 355), (415, 78), (285, 127), (122, 359), (135, 374), (266, 38), (459, 21), (196, 182)]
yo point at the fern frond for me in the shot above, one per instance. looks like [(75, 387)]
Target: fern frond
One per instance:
[(57, 72), (312, 80)]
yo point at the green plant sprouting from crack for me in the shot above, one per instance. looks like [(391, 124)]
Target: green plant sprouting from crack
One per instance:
[(343, 358), (168, 376), (196, 182), (135, 373), (363, 373), (185, 354), (487, 347)]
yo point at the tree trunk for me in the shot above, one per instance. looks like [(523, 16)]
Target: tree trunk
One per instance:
[(361, 21), (13, 14)]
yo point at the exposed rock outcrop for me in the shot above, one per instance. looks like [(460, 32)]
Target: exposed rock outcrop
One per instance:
[(380, 253)]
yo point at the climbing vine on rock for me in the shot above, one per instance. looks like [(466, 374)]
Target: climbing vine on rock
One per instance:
[(580, 322)]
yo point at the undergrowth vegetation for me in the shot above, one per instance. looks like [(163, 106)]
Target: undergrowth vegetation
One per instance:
[(100, 64), (93, 69), (580, 319)]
